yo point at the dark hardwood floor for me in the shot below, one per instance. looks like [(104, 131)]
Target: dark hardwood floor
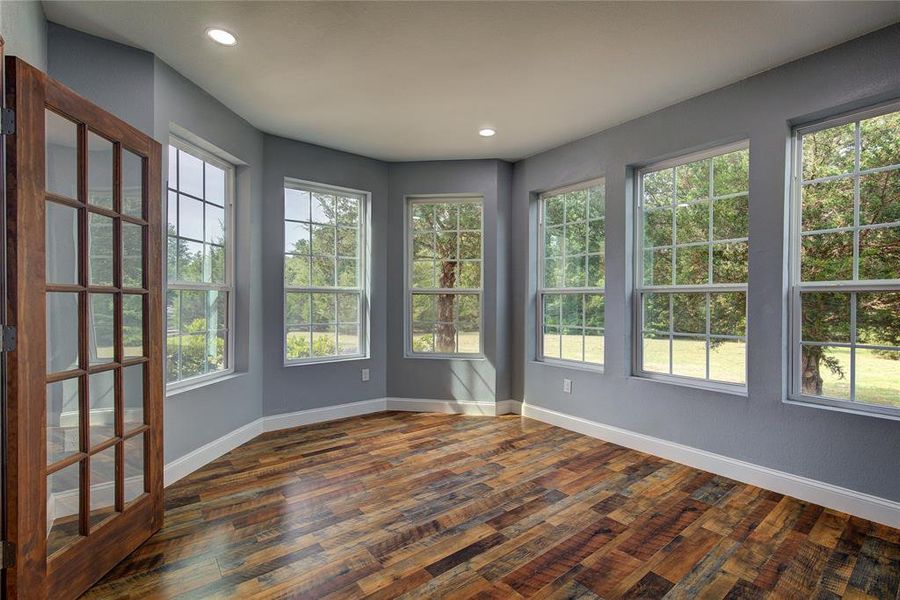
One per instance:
[(424, 505)]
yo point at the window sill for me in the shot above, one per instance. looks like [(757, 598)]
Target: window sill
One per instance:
[(324, 361), (468, 357), (845, 407), (708, 386), (565, 364), (190, 386)]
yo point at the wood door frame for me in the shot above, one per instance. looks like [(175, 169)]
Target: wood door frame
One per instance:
[(29, 91)]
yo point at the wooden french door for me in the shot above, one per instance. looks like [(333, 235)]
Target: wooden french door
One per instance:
[(85, 378)]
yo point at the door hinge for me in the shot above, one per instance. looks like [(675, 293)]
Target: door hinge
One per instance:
[(7, 555), (7, 338), (7, 121)]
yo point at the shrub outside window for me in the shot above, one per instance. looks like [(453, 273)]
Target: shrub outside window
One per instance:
[(199, 298), (845, 268), (325, 291)]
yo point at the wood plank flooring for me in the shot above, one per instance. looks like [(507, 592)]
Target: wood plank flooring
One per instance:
[(406, 505)]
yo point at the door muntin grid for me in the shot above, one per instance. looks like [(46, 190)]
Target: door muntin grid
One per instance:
[(96, 239)]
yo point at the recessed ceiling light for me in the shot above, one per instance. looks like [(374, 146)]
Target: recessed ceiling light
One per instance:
[(487, 132), (220, 36)]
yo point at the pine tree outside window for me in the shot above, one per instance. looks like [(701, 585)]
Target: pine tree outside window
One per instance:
[(691, 269), (845, 267), (444, 270)]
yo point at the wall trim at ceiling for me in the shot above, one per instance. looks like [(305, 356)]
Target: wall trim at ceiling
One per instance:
[(831, 496)]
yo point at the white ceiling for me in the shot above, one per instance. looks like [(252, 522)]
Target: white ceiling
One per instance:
[(416, 80)]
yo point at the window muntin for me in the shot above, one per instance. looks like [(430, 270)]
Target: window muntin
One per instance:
[(324, 273), (846, 262), (571, 274), (691, 268), (444, 270), (200, 290)]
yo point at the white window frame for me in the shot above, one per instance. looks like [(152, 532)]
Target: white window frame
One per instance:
[(228, 285), (639, 289), (854, 286), (362, 275), (542, 291), (409, 202)]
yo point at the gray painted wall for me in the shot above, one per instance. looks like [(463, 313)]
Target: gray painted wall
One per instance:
[(484, 379), (844, 449), (116, 77), (24, 31), (197, 416), (504, 321), (298, 387), (854, 451), (147, 93)]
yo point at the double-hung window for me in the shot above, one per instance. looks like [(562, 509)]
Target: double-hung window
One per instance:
[(199, 299), (691, 248), (445, 276), (571, 274), (325, 292), (845, 271)]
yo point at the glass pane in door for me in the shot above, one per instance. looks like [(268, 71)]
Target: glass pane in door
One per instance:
[(100, 171), (62, 331), (133, 377), (102, 407), (133, 325), (134, 467), (63, 416), (132, 255), (61, 155), (103, 485), (132, 184), (100, 247), (63, 507), (61, 245), (100, 328)]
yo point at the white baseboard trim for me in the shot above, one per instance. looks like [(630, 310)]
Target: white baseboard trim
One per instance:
[(862, 505), (509, 407), (458, 407), (190, 462), (831, 496), (325, 413)]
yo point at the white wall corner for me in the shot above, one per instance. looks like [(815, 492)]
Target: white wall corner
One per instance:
[(509, 407)]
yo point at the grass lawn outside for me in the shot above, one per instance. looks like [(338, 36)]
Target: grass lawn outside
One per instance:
[(727, 359), (877, 375), (570, 347)]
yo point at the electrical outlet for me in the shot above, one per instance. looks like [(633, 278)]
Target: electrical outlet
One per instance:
[(365, 374), (567, 386)]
